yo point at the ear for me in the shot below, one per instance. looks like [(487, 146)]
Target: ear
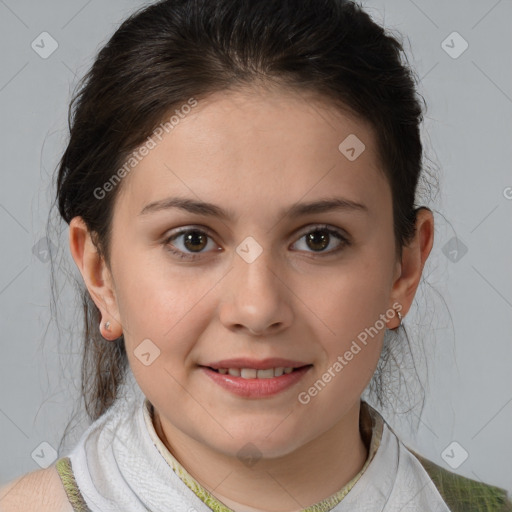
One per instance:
[(96, 275), (414, 256)]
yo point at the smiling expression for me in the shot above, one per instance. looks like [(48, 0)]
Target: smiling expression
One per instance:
[(246, 233)]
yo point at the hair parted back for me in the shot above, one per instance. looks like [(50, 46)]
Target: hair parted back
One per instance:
[(173, 50)]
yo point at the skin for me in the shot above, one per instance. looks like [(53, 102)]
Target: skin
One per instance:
[(256, 152)]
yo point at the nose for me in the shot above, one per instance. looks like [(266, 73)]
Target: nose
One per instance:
[(255, 297)]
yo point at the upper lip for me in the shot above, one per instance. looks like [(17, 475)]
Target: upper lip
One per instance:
[(262, 364)]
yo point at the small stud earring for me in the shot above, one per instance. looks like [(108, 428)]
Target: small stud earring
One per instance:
[(107, 326), (400, 324)]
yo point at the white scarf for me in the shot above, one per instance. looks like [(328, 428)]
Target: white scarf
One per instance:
[(119, 468)]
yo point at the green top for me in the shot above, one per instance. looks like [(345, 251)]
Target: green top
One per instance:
[(463, 494), (75, 497)]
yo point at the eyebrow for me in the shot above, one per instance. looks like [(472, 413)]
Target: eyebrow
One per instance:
[(212, 210)]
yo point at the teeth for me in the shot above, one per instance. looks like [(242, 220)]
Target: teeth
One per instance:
[(252, 373), (265, 374), (248, 373), (278, 371)]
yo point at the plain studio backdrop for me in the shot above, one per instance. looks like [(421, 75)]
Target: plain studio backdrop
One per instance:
[(463, 311)]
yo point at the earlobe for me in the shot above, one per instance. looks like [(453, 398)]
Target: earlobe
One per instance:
[(96, 276)]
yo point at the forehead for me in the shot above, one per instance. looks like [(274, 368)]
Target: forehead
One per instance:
[(248, 148)]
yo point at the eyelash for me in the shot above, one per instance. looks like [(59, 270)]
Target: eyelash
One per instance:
[(191, 257)]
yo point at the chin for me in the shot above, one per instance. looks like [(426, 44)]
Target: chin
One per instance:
[(256, 444)]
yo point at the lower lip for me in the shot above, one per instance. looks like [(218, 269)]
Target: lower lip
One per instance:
[(256, 388)]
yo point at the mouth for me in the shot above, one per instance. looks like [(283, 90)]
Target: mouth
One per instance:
[(253, 373), (256, 379)]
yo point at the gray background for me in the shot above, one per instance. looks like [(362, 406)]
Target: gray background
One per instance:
[(462, 314)]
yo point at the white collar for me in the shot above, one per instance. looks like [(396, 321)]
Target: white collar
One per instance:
[(119, 468)]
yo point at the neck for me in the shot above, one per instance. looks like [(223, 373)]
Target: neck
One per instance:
[(292, 482)]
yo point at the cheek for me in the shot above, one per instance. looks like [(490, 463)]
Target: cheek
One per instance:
[(351, 335), (146, 297), (160, 305), (351, 297), (350, 301), (164, 321)]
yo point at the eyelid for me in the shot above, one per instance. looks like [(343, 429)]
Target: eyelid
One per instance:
[(185, 229), (308, 228)]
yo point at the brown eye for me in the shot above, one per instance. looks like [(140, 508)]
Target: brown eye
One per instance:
[(195, 240), (188, 243), (320, 238)]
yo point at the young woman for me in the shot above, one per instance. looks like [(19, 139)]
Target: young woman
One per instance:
[(240, 187)]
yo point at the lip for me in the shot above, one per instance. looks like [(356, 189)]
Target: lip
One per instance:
[(256, 388), (262, 364)]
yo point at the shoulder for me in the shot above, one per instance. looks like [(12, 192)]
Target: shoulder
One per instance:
[(464, 494), (40, 490)]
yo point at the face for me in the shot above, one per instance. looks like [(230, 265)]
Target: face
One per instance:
[(261, 282)]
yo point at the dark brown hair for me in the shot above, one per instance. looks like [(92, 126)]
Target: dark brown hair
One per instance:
[(173, 50)]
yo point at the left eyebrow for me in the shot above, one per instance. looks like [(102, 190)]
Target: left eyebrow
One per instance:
[(296, 210), (325, 205)]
